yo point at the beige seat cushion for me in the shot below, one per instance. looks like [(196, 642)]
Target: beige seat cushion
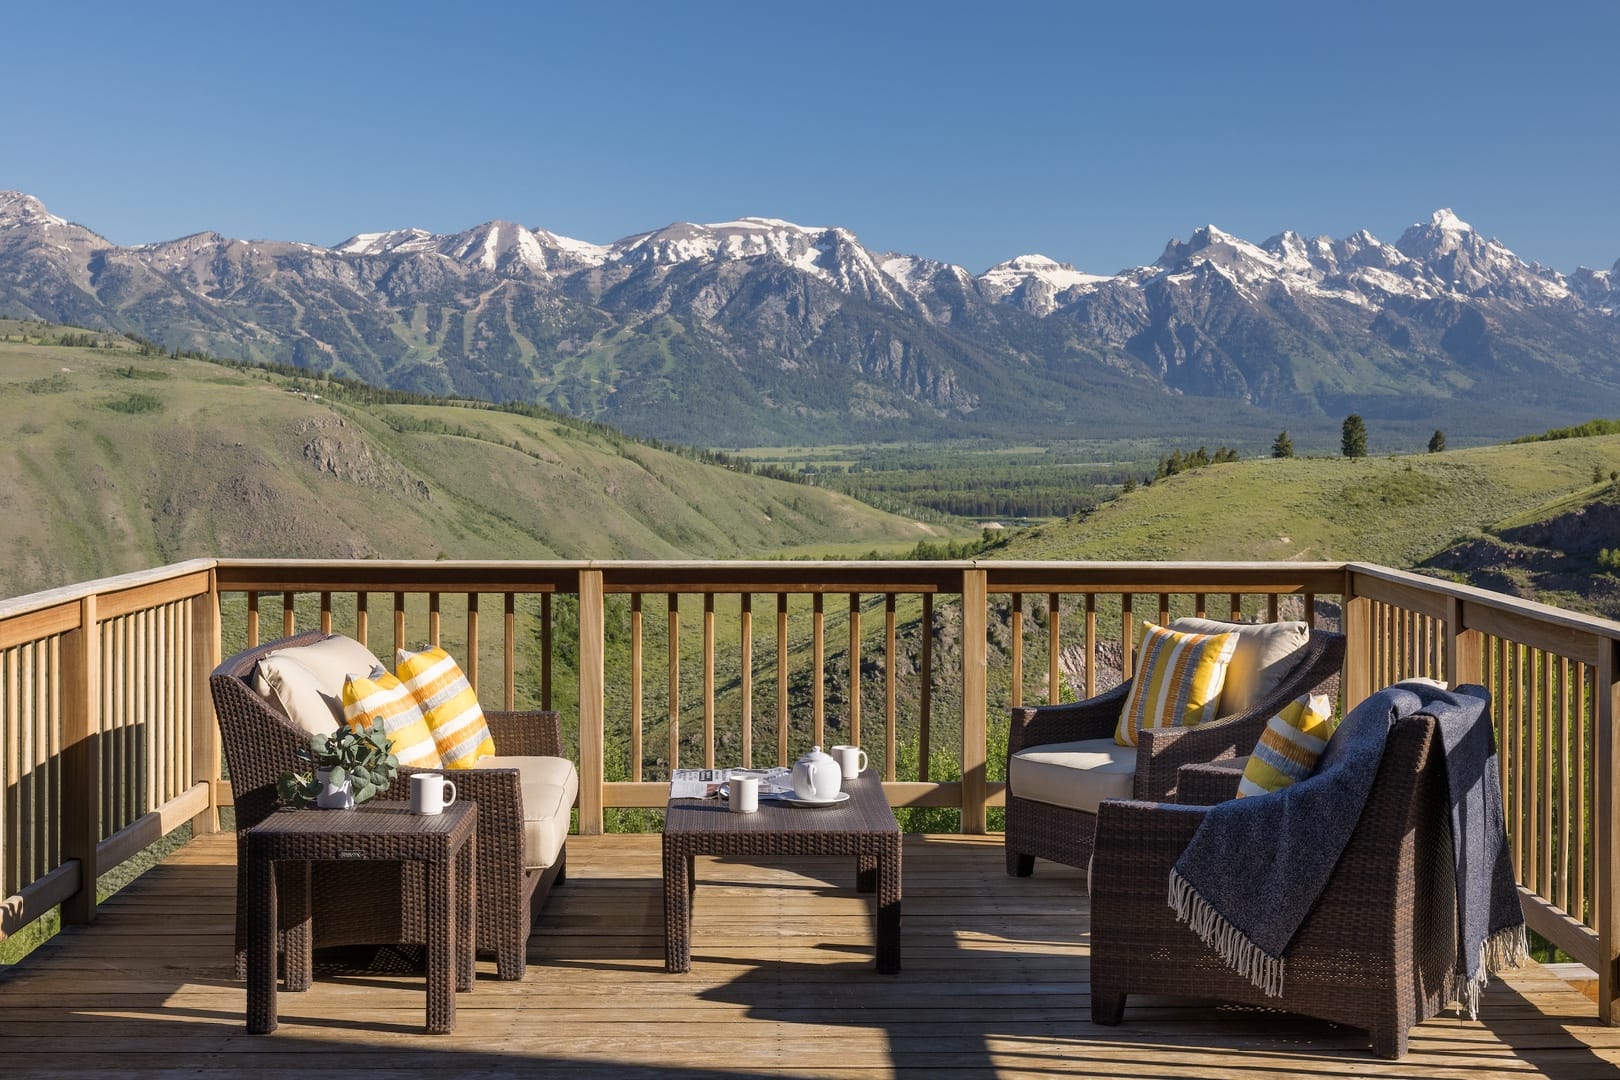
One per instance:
[(306, 682), (550, 785), (1078, 775), (1267, 653)]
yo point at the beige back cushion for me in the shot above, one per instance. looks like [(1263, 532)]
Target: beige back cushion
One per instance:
[(1267, 653), (306, 682)]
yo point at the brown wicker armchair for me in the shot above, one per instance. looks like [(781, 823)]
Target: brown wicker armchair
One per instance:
[(1064, 834), (261, 743), (1377, 951)]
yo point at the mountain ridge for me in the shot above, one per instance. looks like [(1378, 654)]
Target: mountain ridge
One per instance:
[(759, 330)]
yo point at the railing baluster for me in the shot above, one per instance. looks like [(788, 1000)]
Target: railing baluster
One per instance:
[(472, 642), (975, 718), (855, 669), (1234, 606), (1091, 645), (781, 678), (252, 619), (1565, 778), (362, 618), (635, 688), (545, 651), (326, 612), (1548, 797), (592, 700), (925, 689), (674, 682), (433, 619), (1127, 639), (1054, 649), (1164, 609), (745, 664), (1198, 605), (399, 628), (890, 693), (509, 651), (1015, 638), (1583, 791), (708, 680), (818, 665), (289, 613)]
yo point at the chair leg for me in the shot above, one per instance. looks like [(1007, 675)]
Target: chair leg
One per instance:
[(1107, 1009), (1019, 865), (1389, 1042), (511, 958)]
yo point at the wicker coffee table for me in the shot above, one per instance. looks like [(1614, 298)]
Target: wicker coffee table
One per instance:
[(446, 844), (863, 827)]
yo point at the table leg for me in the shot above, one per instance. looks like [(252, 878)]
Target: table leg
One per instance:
[(467, 911), (441, 945), (866, 872), (298, 944), (261, 945), (888, 912), (678, 879)]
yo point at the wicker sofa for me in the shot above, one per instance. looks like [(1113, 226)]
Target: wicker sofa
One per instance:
[(1063, 833), (522, 823), (1376, 952)]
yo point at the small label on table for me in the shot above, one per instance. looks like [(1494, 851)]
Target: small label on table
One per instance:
[(351, 854)]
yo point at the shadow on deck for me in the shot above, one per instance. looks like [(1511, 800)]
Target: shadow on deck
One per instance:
[(995, 983)]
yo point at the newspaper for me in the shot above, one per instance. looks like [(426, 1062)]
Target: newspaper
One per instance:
[(710, 783)]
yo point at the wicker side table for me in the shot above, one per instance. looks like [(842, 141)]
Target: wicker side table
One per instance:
[(863, 827), (446, 844)]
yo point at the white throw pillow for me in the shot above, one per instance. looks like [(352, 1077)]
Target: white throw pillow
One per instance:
[(306, 681)]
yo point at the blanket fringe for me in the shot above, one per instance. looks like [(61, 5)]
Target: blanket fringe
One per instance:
[(1228, 942), (1504, 949)]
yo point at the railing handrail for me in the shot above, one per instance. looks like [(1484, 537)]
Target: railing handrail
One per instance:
[(29, 603)]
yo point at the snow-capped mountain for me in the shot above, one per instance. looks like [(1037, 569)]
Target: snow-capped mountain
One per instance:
[(765, 329)]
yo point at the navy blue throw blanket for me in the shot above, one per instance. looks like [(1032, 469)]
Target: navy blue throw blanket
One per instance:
[(1256, 866)]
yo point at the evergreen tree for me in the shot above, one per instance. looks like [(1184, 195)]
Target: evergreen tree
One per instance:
[(1282, 446), (1353, 440), (1437, 441), (1129, 485)]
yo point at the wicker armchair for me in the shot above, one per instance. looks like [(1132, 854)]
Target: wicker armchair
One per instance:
[(1063, 834), (1377, 951), (261, 743)]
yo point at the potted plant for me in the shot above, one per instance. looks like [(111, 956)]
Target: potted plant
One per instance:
[(346, 767)]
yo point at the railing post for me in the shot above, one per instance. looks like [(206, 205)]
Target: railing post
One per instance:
[(204, 728), (592, 701), (81, 758), (1465, 655), (975, 703), (1358, 645), (1606, 712)]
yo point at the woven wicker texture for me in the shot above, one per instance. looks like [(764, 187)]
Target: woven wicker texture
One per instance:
[(864, 827), (444, 846), (1064, 835), (260, 743), (1378, 950)]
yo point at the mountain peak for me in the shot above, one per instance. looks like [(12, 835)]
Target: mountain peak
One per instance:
[(21, 208), (1446, 220)]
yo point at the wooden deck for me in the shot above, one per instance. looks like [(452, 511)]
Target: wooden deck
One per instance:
[(783, 984)]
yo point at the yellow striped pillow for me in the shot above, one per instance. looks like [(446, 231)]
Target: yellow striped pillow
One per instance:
[(1289, 747), (366, 697), (1178, 681), (450, 705)]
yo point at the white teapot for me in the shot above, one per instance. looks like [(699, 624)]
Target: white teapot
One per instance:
[(817, 776)]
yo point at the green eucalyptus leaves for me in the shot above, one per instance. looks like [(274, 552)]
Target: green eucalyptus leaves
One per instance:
[(359, 755)]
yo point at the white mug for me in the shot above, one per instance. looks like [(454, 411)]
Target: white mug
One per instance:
[(851, 759), (744, 794), (431, 793)]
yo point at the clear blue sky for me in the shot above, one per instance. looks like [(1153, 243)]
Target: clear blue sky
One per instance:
[(1090, 132)]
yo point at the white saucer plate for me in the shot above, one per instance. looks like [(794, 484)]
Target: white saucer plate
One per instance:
[(794, 800)]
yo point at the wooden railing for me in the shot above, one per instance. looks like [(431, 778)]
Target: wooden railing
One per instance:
[(108, 739), (107, 734)]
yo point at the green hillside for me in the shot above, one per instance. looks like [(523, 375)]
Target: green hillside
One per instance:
[(1393, 510), (116, 461)]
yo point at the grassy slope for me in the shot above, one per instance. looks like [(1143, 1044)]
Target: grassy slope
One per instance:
[(1393, 510), (229, 463)]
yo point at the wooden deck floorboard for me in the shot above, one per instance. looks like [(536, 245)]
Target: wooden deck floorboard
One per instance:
[(995, 983)]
